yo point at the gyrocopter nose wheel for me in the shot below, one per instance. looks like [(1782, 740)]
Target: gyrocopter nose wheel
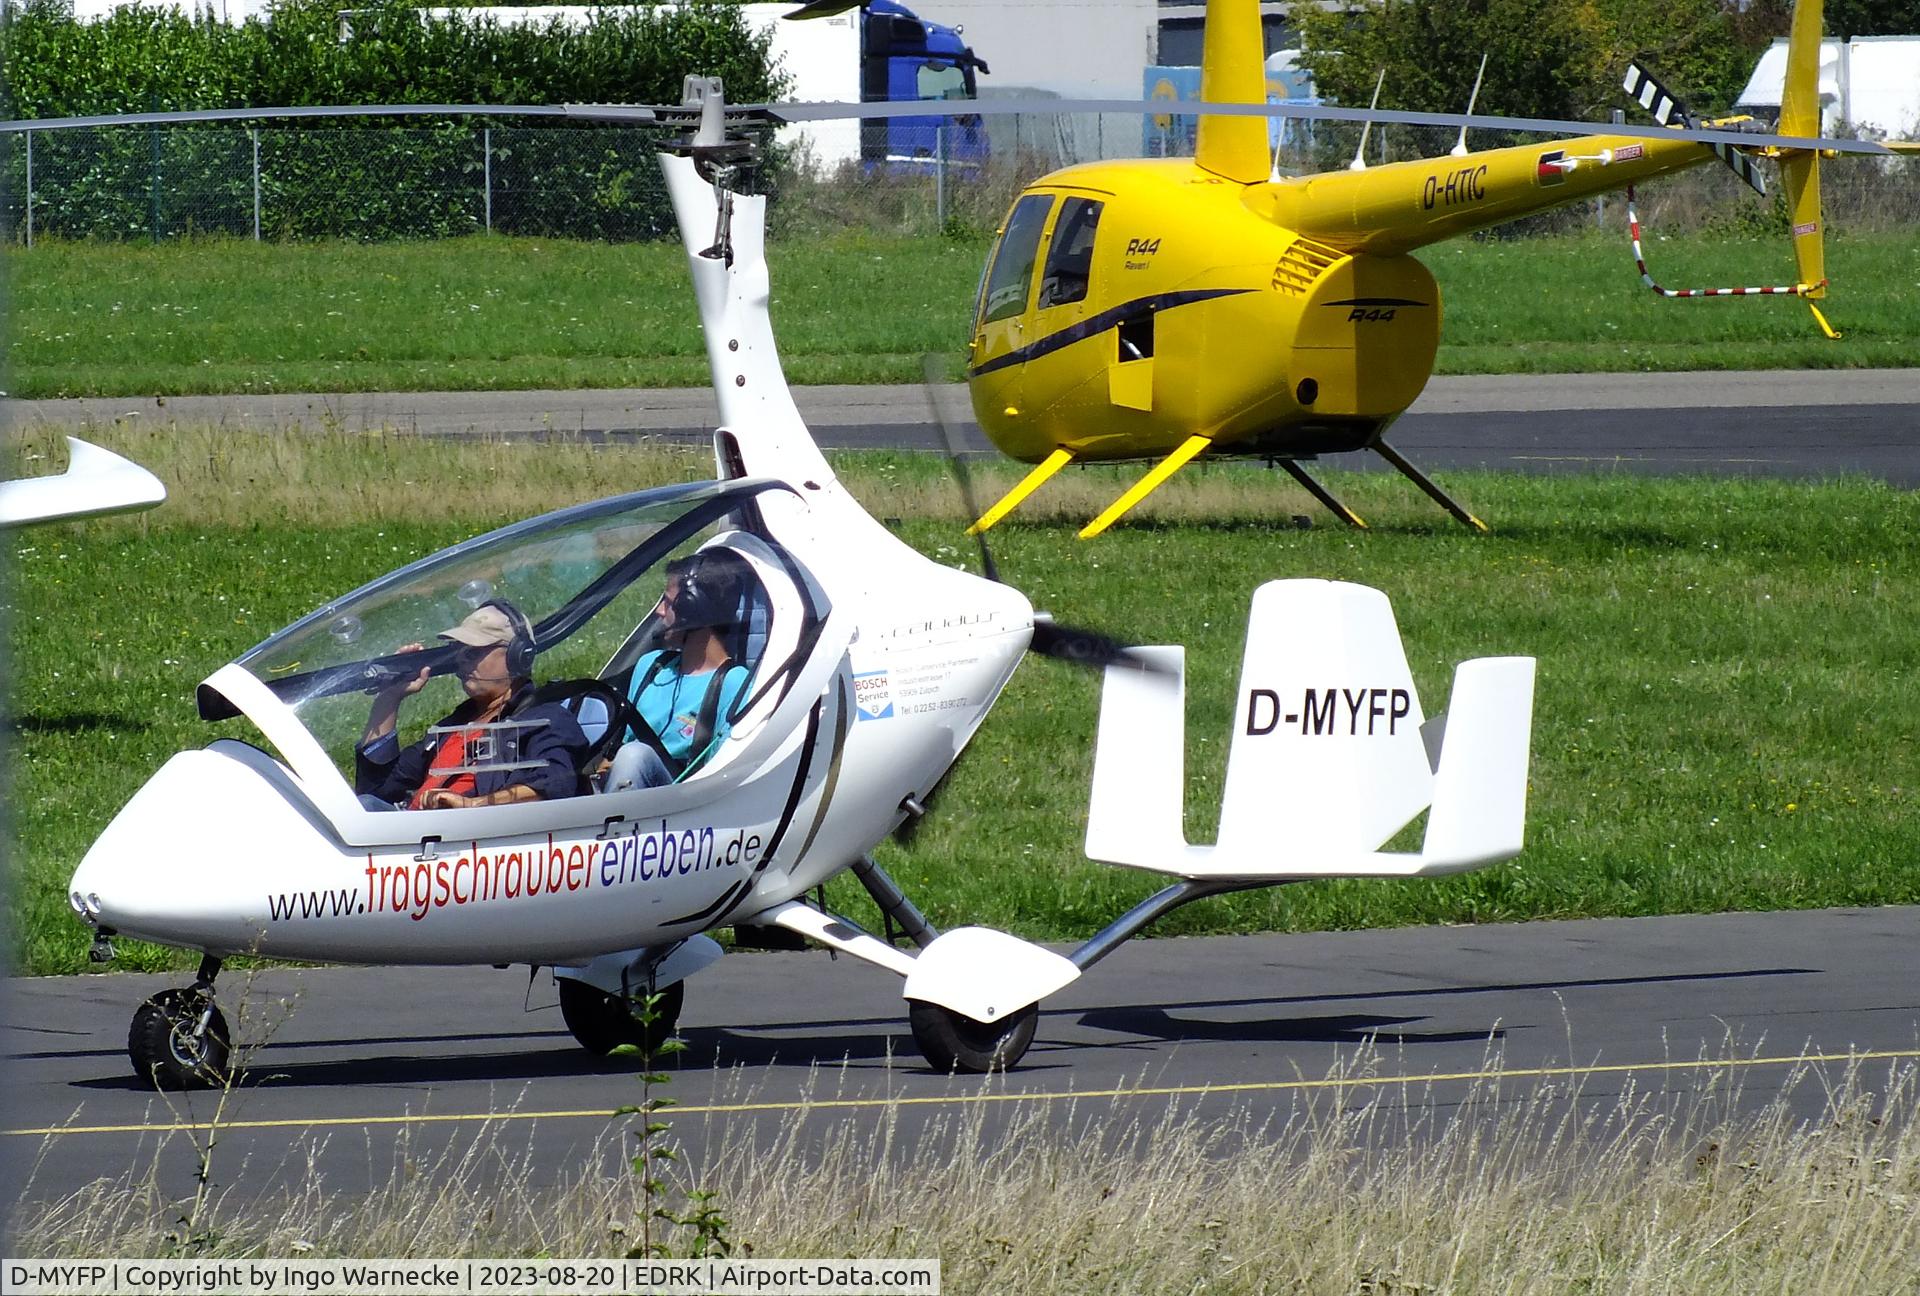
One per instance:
[(952, 1042), (179, 1040)]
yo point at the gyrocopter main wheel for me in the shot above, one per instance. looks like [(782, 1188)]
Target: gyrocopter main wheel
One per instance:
[(602, 1022), (179, 1040), (952, 1042)]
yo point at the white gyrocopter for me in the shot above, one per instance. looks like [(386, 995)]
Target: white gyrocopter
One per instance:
[(871, 667)]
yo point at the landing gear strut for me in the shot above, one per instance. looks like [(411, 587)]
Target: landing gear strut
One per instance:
[(179, 1038)]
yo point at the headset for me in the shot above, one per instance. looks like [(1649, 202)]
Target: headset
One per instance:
[(709, 596), (521, 648)]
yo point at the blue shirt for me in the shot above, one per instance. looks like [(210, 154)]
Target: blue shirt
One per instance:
[(671, 702)]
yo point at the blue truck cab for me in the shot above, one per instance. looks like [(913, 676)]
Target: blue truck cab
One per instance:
[(904, 57)]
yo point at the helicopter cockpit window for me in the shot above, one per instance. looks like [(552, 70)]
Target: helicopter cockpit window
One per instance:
[(569, 597), (1070, 258), (1012, 274)]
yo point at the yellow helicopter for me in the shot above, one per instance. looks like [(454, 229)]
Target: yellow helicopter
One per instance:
[(1167, 309)]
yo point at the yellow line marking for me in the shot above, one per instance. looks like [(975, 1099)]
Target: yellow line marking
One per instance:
[(1041, 1095)]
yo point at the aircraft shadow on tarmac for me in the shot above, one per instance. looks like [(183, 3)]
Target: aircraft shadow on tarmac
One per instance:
[(1159, 1025), (838, 1041)]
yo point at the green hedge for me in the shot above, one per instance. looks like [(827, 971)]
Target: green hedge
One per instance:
[(411, 178)]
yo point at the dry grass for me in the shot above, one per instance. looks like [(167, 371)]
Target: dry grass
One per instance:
[(1525, 1187), (309, 474)]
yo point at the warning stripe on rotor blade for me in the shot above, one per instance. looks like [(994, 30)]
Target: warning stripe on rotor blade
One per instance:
[(1660, 102), (1653, 96), (1742, 166)]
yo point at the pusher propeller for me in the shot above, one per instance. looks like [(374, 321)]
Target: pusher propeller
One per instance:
[(1066, 643)]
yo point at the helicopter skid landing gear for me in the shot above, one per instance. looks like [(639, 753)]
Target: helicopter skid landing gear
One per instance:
[(952, 1042), (179, 1038), (602, 1022)]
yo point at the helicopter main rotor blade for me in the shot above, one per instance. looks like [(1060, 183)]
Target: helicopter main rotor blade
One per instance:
[(821, 9), (680, 114), (801, 112), (204, 115)]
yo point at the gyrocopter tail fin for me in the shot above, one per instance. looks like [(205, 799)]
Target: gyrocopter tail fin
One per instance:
[(1330, 756)]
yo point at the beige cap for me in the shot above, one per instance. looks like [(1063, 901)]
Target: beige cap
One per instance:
[(484, 627)]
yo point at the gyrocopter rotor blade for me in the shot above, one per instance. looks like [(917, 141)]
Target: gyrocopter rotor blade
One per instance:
[(1050, 639)]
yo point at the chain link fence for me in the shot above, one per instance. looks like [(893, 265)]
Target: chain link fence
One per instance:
[(459, 178)]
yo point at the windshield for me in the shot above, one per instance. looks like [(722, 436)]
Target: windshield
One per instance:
[(585, 584), (939, 81), (1005, 292)]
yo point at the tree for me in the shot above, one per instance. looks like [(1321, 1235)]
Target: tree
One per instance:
[(1873, 18), (1545, 58)]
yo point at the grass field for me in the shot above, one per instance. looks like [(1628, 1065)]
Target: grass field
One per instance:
[(505, 314), (1724, 717)]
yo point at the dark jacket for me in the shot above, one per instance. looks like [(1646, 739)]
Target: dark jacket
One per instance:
[(393, 774)]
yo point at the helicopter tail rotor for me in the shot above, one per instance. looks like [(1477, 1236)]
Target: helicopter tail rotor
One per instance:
[(1799, 168)]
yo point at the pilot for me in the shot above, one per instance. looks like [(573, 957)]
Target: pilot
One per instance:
[(523, 750), (686, 691), (676, 572)]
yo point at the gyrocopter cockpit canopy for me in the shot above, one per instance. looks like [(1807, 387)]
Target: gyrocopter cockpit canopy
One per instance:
[(584, 583)]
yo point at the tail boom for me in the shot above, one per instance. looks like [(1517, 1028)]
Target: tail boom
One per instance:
[(1366, 211)]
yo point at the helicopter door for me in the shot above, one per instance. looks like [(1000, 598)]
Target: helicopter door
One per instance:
[(1002, 329), (1084, 369)]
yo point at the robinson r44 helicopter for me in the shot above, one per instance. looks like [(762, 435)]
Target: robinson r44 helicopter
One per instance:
[(871, 667), (1167, 309)]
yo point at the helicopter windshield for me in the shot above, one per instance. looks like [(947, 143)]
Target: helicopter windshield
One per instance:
[(585, 582)]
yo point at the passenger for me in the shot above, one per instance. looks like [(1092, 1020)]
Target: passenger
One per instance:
[(685, 692), (494, 749)]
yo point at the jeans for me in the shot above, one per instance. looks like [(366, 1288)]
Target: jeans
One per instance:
[(637, 765)]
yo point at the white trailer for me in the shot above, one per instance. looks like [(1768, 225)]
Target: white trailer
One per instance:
[(1869, 83)]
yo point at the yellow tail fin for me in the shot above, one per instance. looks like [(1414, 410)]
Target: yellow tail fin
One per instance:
[(1800, 171), (1800, 96), (1233, 70)]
